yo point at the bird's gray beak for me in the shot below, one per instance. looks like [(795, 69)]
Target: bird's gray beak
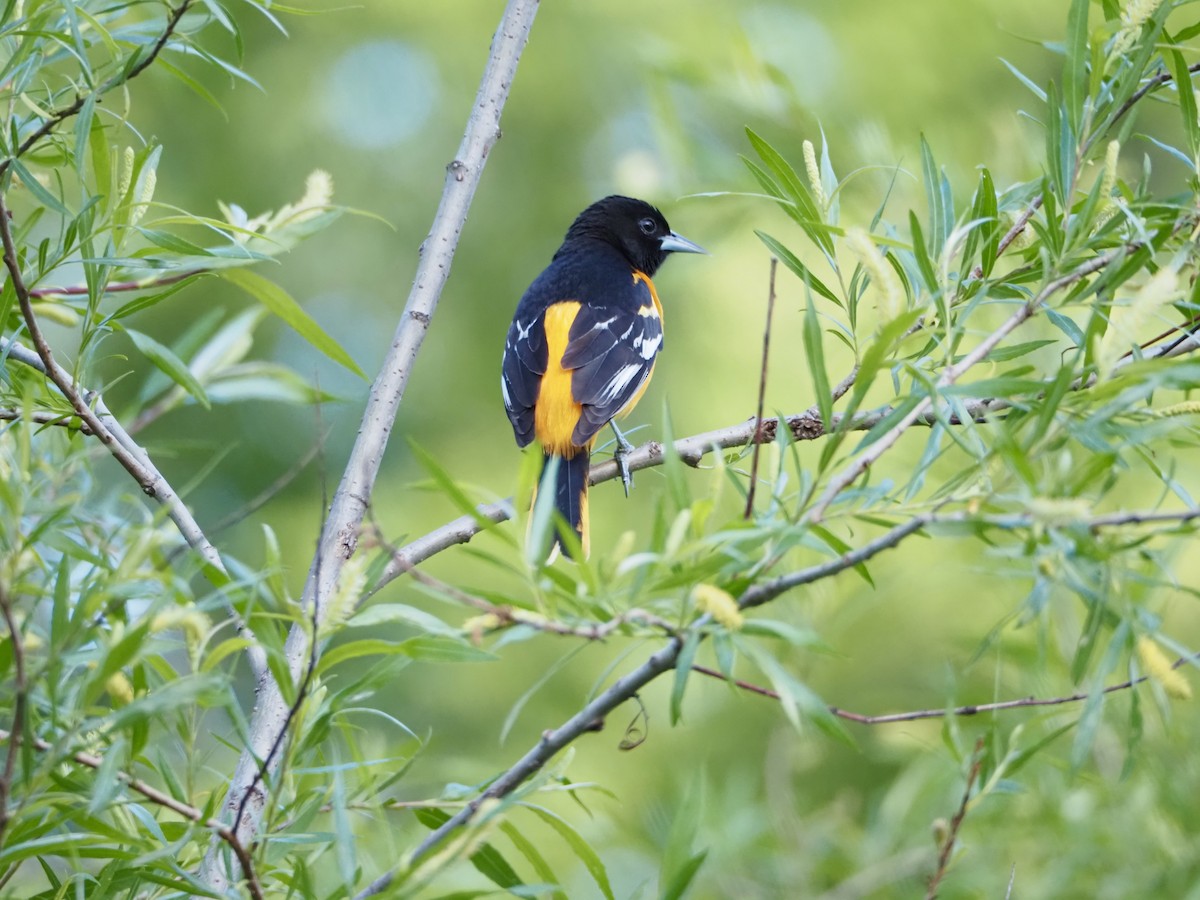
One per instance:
[(677, 243)]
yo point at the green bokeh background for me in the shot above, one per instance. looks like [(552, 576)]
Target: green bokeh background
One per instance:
[(651, 99)]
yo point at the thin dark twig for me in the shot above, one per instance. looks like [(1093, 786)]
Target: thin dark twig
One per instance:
[(963, 711), (19, 691), (762, 392), (314, 623), (43, 417), (57, 118), (956, 823), (115, 287), (271, 491)]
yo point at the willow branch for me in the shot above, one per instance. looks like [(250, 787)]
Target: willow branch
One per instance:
[(42, 417), (352, 498), (116, 287), (154, 795), (805, 426), (863, 461), (98, 421), (965, 711), (59, 116), (543, 751), (943, 861)]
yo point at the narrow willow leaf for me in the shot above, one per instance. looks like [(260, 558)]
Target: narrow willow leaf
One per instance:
[(276, 300), (1187, 100), (582, 850), (789, 259), (941, 209), (533, 855), (1075, 83), (487, 860), (169, 364), (805, 211), (814, 357), (683, 671)]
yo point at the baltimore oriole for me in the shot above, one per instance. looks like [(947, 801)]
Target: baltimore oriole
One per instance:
[(583, 341)]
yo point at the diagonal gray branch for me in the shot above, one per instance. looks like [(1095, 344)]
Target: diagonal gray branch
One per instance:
[(339, 537)]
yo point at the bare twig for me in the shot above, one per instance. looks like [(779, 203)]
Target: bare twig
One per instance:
[(350, 502), (115, 287), (762, 392), (42, 417), (955, 823), (20, 689), (271, 491), (315, 611), (154, 795), (965, 711)]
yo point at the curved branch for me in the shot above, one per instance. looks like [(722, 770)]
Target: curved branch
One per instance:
[(340, 534)]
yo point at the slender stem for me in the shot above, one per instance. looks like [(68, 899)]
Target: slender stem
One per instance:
[(972, 709), (947, 847), (543, 751)]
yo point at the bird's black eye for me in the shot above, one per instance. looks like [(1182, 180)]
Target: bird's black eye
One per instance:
[(648, 225)]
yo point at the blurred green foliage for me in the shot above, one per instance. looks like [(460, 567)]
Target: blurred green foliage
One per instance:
[(650, 99)]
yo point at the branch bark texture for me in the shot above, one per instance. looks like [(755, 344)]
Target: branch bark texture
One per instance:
[(339, 537)]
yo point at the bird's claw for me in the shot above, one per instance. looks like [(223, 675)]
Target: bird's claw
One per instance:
[(621, 455)]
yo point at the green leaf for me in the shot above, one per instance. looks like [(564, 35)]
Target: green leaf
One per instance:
[(1187, 100), (941, 208), (169, 364), (383, 613), (789, 259), (803, 208), (814, 357), (533, 855), (276, 300), (580, 847), (679, 863), (683, 670), (1075, 82), (487, 860)]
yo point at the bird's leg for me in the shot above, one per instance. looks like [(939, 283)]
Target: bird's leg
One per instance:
[(624, 448)]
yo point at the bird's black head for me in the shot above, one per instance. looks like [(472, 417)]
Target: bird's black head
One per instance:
[(634, 227)]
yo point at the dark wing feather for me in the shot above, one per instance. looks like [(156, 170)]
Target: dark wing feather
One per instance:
[(611, 351), (521, 372)]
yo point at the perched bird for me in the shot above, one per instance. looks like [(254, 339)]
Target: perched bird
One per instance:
[(583, 341)]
